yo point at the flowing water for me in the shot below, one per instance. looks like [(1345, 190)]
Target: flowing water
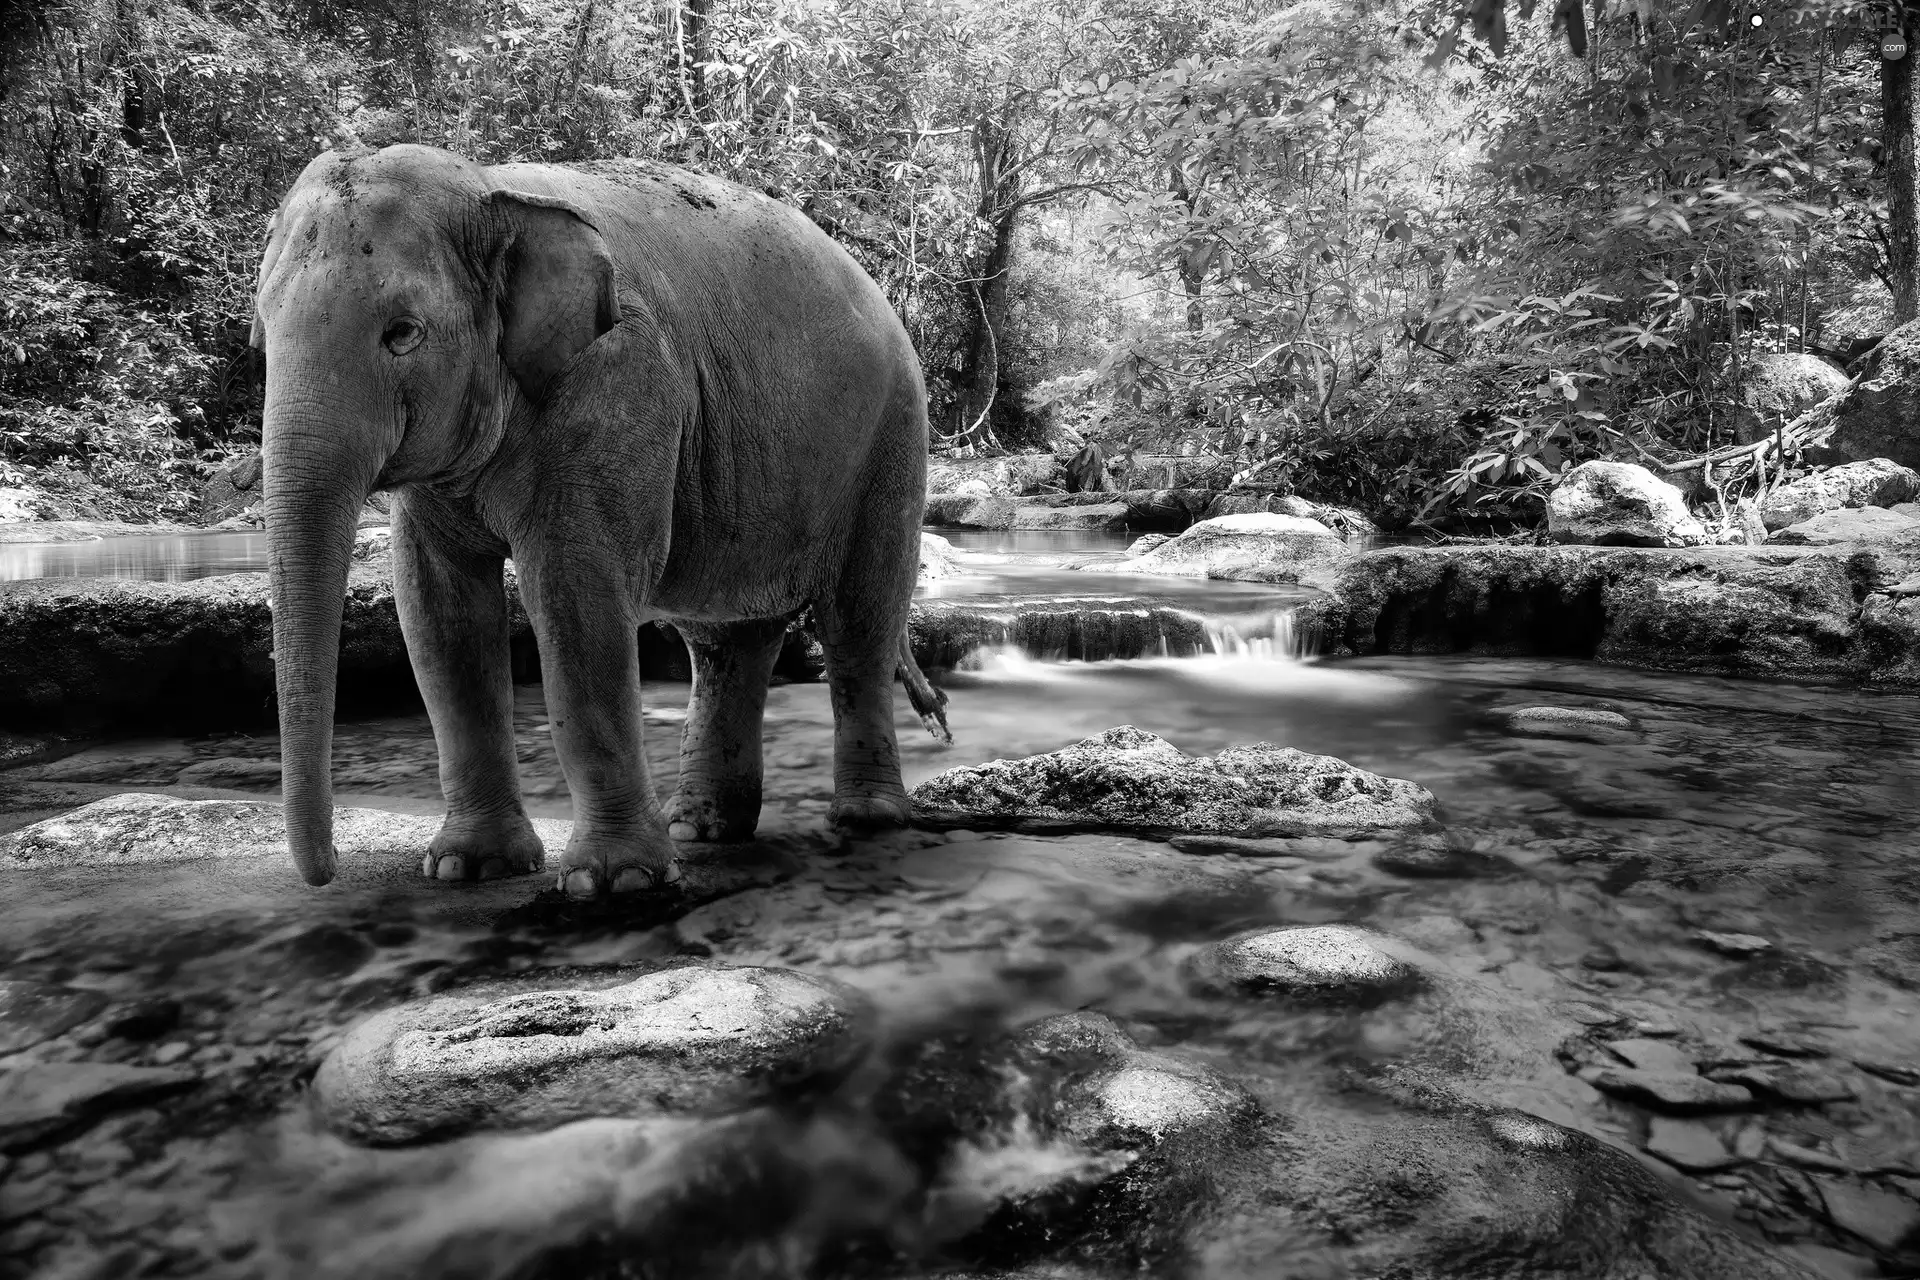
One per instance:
[(182, 557), (1603, 870)]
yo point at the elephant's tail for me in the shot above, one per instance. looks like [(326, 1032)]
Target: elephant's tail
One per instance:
[(929, 702)]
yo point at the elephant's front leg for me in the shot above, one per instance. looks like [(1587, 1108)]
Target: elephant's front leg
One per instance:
[(453, 612), (720, 767), (590, 663)]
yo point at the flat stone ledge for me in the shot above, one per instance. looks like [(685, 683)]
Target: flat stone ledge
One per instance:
[(1825, 614)]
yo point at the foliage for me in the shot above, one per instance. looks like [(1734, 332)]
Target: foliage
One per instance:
[(1398, 254)]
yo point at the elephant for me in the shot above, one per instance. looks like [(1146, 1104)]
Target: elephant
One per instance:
[(663, 397)]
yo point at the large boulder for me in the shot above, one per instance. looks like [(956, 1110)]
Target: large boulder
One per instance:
[(1258, 545), (1876, 482), (1619, 504), (1878, 416), (1779, 387), (690, 1041), (1130, 780), (231, 489)]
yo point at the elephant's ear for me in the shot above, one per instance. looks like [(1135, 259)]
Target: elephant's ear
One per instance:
[(556, 288), (258, 338)]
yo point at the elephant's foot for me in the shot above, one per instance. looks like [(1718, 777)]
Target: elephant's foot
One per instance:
[(871, 812), (598, 867), (695, 817), (484, 850)]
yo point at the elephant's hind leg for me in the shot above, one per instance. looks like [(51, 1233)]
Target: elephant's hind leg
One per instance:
[(720, 766), (453, 612), (862, 642)]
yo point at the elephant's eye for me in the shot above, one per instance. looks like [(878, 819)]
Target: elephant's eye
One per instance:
[(403, 335)]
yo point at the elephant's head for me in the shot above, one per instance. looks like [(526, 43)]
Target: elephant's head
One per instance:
[(410, 310)]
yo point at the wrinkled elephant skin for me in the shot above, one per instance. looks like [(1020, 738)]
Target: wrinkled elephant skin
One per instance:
[(664, 397)]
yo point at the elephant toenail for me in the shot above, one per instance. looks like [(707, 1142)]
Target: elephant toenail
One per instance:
[(493, 868), (684, 831), (453, 867), (581, 883), (633, 880), (427, 865), (671, 875)]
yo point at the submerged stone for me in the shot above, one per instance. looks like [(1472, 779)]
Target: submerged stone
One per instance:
[(1788, 1042), (681, 1042), (1688, 1145), (1788, 1083), (1326, 961), (1652, 1055), (1678, 1092), (31, 1012), (1131, 780), (1883, 1218), (41, 1100), (1555, 722)]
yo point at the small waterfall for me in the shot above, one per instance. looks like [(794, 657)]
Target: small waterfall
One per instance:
[(1265, 636), (1030, 646)]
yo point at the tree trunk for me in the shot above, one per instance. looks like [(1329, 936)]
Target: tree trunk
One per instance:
[(981, 379), (1898, 164), (697, 48), (1184, 259)]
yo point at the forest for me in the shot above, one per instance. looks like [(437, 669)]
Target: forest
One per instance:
[(1394, 254)]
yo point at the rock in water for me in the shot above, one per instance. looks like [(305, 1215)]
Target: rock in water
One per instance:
[(1147, 542), (1688, 1145), (1618, 504), (1132, 1098), (694, 1041), (1877, 482), (1129, 780), (1323, 961), (937, 558), (1260, 545), (1671, 1091)]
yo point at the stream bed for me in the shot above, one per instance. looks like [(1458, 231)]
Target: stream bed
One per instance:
[(1741, 862)]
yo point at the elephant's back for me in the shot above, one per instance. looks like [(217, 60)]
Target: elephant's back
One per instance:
[(685, 224)]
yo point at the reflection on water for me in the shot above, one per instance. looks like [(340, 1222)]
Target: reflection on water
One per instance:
[(156, 558)]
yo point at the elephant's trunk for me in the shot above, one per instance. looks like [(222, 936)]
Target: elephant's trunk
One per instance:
[(317, 477)]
